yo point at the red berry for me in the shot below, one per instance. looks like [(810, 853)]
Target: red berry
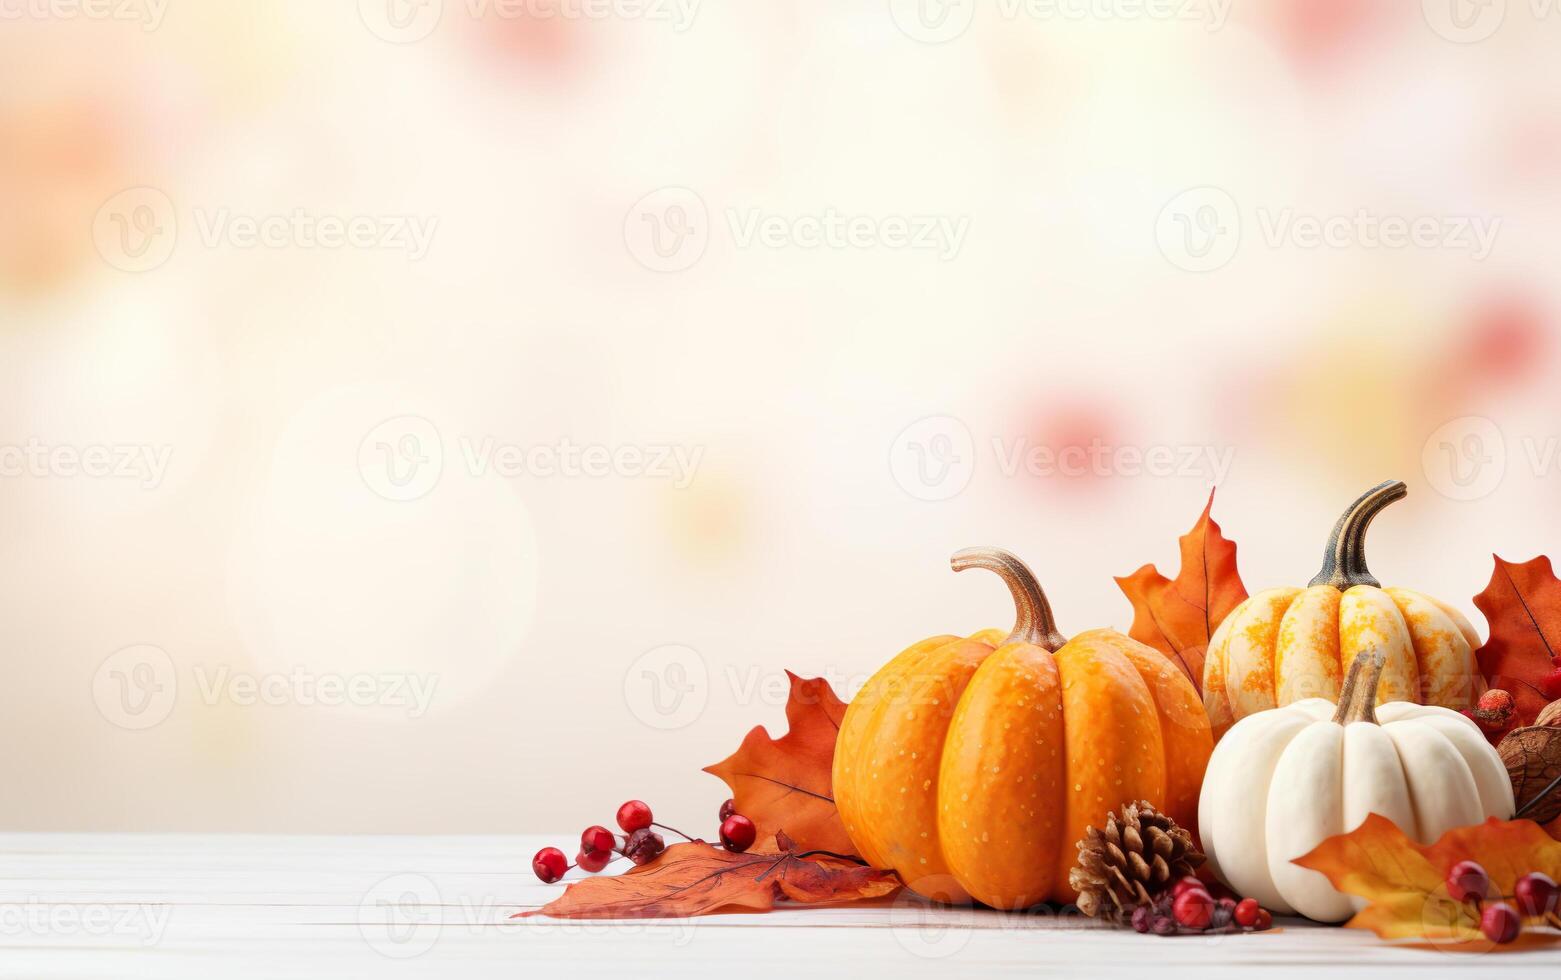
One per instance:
[(1265, 920), (1185, 884), (738, 833), (1550, 684), (1193, 909), (1535, 894), (597, 840), (1500, 922), (1467, 881), (549, 864), (1494, 710), (1496, 700), (1163, 925), (1246, 912), (594, 861), (727, 809), (634, 815)]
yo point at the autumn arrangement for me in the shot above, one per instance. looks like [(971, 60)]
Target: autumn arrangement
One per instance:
[(1343, 751)]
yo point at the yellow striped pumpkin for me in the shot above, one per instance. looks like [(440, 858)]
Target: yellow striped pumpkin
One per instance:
[(1285, 645)]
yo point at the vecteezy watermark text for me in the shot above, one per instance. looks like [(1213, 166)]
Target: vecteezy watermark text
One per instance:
[(1200, 230), (669, 229), (403, 458), (941, 234), (935, 458), (137, 230), (1475, 234), (138, 686), (299, 228), (305, 688), (567, 459), (1104, 459), (143, 463), (147, 13), (36, 918)]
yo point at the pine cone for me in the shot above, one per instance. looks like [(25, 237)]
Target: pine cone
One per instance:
[(1140, 854)]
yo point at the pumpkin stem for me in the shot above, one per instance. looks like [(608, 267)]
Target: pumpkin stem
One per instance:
[(1344, 560), (1034, 622), (1358, 700)]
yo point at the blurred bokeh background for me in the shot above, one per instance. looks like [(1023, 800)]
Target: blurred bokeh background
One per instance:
[(454, 416)]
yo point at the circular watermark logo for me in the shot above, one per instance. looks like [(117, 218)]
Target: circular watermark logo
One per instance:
[(402, 458), (932, 929), (136, 230), (1199, 229), (668, 229), (136, 687), (667, 687), (934, 458), (400, 917), (401, 21), (932, 21), (1464, 21), (1465, 459)]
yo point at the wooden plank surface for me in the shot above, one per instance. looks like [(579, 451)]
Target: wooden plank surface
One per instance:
[(239, 906)]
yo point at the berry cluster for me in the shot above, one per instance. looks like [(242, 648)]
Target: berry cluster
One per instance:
[(1534, 895), (1187, 906), (639, 843)]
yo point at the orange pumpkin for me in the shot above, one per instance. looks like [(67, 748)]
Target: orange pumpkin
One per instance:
[(973, 766)]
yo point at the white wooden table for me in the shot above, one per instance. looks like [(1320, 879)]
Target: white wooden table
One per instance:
[(208, 906)]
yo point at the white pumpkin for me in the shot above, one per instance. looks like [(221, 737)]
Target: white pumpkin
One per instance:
[(1284, 780)]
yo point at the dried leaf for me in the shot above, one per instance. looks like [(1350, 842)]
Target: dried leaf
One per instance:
[(1405, 882), (1178, 617), (697, 879), (1533, 758), (1523, 605), (784, 784)]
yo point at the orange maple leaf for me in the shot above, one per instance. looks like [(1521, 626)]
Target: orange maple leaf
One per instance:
[(1178, 617), (1405, 883), (697, 879), (1522, 603), (784, 784)]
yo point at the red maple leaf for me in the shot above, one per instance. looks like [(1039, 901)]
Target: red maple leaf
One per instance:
[(1522, 603)]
